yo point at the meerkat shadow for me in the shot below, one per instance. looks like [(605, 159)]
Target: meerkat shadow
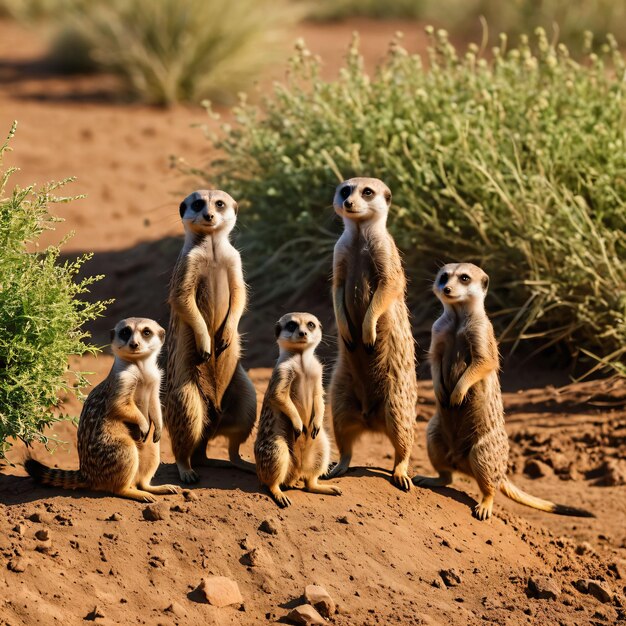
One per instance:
[(454, 494), (222, 478)]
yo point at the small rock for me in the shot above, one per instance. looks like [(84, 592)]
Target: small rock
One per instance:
[(343, 519), (599, 590), (177, 508), (269, 526), (220, 591), (612, 473), (190, 496), (320, 599), (116, 517), (44, 546), (155, 512), (619, 567), (582, 585), (258, 557), (175, 609), (40, 518), (450, 577), (18, 564), (437, 583), (20, 529), (543, 588), (94, 614), (42, 535), (305, 614), (584, 548), (537, 469)]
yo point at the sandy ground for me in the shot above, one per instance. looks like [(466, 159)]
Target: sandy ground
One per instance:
[(379, 553)]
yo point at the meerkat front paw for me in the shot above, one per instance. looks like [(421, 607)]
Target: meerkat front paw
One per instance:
[(457, 396), (369, 337), (226, 339), (316, 426), (158, 431), (203, 346), (298, 428)]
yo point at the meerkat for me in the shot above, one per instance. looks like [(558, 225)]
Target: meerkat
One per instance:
[(467, 433), (291, 441), (115, 450), (207, 393), (374, 385)]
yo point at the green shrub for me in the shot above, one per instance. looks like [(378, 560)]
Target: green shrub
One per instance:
[(517, 163), (40, 315), (169, 51), (328, 10)]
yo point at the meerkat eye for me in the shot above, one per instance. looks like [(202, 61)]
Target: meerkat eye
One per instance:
[(345, 192), (125, 333), (198, 205), (367, 192), (443, 279), (147, 332), (465, 278), (311, 326), (291, 326), (220, 204)]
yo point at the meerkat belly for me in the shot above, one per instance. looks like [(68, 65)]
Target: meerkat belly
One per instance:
[(302, 397), (361, 283), (213, 297), (456, 360)]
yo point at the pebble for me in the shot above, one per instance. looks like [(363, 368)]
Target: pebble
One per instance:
[(269, 526), (18, 565), (42, 535), (175, 609), (155, 512), (220, 591), (116, 517), (543, 588), (320, 599), (258, 557), (190, 496), (450, 577), (305, 614), (20, 529)]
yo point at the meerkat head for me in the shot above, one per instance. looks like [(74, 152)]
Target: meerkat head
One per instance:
[(461, 284), (136, 338), (361, 199), (297, 332), (207, 211)]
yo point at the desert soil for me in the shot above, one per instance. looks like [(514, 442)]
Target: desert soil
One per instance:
[(384, 556)]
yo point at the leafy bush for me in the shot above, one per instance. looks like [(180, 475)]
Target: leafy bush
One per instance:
[(517, 163), (40, 315), (168, 51), (325, 10)]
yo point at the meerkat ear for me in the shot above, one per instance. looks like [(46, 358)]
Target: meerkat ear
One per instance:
[(236, 207), (112, 334), (277, 329), (388, 197), (161, 334), (485, 282), (182, 208)]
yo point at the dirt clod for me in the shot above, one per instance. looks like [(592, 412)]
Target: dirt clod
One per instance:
[(220, 591), (320, 599), (18, 564), (156, 512), (537, 469), (450, 577), (269, 526), (305, 614), (543, 588)]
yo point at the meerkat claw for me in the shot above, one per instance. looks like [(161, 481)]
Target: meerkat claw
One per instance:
[(369, 348), (350, 345), (402, 481)]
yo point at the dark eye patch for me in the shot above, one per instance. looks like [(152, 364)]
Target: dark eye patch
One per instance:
[(443, 279), (125, 333), (311, 326), (198, 205), (368, 192), (291, 326), (345, 192)]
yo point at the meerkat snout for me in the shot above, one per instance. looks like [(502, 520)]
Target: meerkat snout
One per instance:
[(362, 198), (298, 330), (136, 338)]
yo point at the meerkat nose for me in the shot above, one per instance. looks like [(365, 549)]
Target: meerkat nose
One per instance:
[(447, 291), (133, 344), (302, 333), (348, 204), (209, 217)]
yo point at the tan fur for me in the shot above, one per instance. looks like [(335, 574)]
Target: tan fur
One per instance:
[(467, 433), (374, 386), (208, 393), (115, 449), (291, 442)]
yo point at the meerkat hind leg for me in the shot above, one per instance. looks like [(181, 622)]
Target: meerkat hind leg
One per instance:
[(132, 493), (345, 436), (312, 486), (279, 497)]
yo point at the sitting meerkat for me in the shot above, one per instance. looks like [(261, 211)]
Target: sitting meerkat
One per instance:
[(207, 392), (291, 442), (374, 385), (115, 450), (467, 433)]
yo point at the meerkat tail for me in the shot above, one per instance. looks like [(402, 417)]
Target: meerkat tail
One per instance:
[(517, 495), (66, 479)]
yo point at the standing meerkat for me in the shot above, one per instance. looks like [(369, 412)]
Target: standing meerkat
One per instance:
[(291, 442), (115, 450), (208, 393), (374, 385), (467, 433)]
